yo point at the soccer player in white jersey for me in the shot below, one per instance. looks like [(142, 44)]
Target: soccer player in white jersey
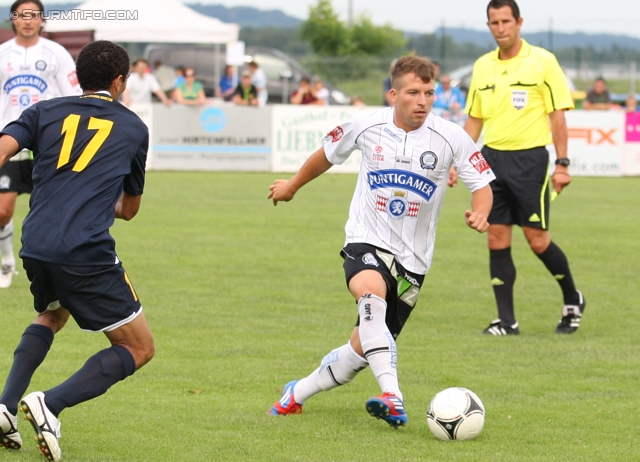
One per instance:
[(406, 156), (32, 69)]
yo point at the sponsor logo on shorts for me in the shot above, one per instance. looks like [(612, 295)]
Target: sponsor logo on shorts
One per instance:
[(369, 259), (410, 279), (428, 160), (336, 134), (479, 163), (5, 182)]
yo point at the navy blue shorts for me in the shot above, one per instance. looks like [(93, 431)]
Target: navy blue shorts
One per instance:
[(403, 286), (100, 298), (16, 177), (521, 188)]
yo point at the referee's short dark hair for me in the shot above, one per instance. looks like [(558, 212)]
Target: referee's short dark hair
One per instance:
[(421, 67), (497, 4), (100, 63)]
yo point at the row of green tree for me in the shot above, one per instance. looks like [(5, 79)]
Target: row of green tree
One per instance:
[(323, 34)]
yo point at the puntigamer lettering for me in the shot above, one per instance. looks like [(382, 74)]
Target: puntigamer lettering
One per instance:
[(25, 81), (410, 181)]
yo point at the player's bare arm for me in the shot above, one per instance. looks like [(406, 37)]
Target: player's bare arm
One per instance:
[(8, 148), (127, 206), (481, 202), (561, 177), (284, 190)]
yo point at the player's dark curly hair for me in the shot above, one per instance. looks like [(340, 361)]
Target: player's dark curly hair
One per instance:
[(17, 3), (100, 63), (421, 67), (497, 4)]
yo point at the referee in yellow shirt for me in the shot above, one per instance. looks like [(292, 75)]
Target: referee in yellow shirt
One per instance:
[(517, 92)]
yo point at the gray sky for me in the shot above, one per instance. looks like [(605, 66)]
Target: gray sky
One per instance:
[(609, 16)]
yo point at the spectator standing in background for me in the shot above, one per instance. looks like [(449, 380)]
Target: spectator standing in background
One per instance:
[(386, 87), (631, 105), (49, 72), (166, 77), (246, 93), (448, 97), (356, 100), (259, 80), (228, 83), (179, 77), (598, 97), (321, 92), (191, 92), (304, 94), (141, 85)]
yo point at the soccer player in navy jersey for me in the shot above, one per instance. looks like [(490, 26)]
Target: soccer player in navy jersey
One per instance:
[(89, 168)]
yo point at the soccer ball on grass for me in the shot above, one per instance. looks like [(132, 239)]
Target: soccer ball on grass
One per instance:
[(455, 414)]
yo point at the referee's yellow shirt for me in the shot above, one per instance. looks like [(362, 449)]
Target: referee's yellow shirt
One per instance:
[(514, 96)]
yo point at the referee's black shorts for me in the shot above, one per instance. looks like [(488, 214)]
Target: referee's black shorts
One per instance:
[(403, 286), (521, 187), (15, 176)]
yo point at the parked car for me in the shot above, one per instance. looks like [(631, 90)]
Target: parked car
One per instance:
[(282, 71)]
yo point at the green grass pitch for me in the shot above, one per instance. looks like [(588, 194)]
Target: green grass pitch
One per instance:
[(243, 297)]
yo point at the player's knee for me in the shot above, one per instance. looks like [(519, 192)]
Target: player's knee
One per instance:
[(5, 216), (145, 353)]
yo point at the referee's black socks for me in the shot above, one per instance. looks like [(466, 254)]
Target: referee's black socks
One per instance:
[(558, 265), (503, 276)]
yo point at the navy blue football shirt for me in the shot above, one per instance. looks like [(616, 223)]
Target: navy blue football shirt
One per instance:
[(87, 150)]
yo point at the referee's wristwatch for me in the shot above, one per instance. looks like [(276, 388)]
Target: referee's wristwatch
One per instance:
[(564, 162)]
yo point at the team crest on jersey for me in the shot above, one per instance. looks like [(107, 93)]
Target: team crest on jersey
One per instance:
[(336, 134), (397, 206), (41, 65), (428, 160), (24, 100), (5, 182), (479, 162), (369, 259), (519, 98), (9, 67)]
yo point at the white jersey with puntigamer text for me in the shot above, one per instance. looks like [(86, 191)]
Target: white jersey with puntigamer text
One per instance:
[(28, 75), (402, 180)]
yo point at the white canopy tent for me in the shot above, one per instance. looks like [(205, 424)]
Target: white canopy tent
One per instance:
[(151, 21), (146, 21)]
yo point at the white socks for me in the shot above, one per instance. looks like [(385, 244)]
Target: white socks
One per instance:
[(343, 364), (337, 368), (6, 244), (378, 344)]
